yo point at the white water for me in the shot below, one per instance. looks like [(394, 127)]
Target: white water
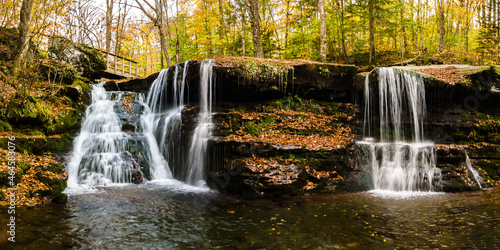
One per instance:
[(167, 103), (399, 159), (474, 172), (103, 153), (198, 146)]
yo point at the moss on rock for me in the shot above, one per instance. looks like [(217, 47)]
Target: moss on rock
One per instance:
[(85, 60)]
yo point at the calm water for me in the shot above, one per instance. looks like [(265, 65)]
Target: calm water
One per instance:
[(176, 216)]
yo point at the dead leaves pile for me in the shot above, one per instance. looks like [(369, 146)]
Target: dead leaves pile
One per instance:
[(30, 184), (448, 74), (276, 171), (304, 129)]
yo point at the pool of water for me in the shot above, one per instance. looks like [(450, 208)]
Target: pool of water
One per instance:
[(172, 215)]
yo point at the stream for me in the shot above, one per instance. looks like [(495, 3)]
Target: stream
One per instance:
[(174, 215)]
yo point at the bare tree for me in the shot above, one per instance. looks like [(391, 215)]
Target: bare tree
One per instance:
[(109, 23), (157, 18)]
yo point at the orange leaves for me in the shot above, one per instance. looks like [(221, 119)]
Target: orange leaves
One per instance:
[(290, 128), (37, 169), (448, 74), (277, 171), (311, 142), (125, 102), (310, 185)]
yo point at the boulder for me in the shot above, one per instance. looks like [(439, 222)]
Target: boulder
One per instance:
[(73, 92), (57, 72), (85, 60)]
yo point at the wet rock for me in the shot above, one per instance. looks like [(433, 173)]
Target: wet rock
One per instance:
[(60, 198), (251, 169), (111, 86), (136, 176)]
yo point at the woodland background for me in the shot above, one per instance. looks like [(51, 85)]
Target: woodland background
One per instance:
[(159, 33)]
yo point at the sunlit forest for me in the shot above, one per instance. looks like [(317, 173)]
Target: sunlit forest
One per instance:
[(158, 33)]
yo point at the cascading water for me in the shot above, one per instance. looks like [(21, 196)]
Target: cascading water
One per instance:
[(167, 102), (198, 146), (124, 138), (399, 159), (474, 172), (104, 153)]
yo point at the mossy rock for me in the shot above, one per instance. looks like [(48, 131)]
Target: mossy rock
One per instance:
[(85, 60), (60, 198), (491, 166), (9, 38), (61, 144), (57, 72), (67, 121), (5, 126), (30, 112)]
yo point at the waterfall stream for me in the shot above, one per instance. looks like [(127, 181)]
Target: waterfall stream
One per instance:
[(127, 138), (474, 172), (198, 146), (399, 159), (115, 144)]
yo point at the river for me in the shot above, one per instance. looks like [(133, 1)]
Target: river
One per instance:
[(174, 215)]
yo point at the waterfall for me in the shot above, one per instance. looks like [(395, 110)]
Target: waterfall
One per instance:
[(126, 137), (115, 144), (167, 102), (198, 146), (474, 172), (399, 159)]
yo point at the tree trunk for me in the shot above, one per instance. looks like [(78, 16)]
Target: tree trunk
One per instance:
[(287, 24), (322, 30), (419, 29), (24, 34), (243, 36), (163, 45), (109, 22), (441, 25), (371, 27), (223, 26), (256, 32), (404, 47), (342, 31)]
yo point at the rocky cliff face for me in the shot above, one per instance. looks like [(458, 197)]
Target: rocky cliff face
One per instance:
[(288, 127), (40, 110), (463, 119)]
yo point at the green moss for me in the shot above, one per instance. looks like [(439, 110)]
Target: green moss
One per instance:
[(57, 72), (95, 60), (5, 126), (66, 121), (259, 126)]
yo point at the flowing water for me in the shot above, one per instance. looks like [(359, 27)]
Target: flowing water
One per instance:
[(166, 213), (479, 180), (393, 151), (178, 216), (198, 146), (167, 102), (125, 138), (103, 153)]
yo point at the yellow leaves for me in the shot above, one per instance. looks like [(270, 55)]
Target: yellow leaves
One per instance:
[(31, 183), (231, 212)]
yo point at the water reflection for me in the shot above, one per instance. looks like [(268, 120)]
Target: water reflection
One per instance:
[(162, 216)]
